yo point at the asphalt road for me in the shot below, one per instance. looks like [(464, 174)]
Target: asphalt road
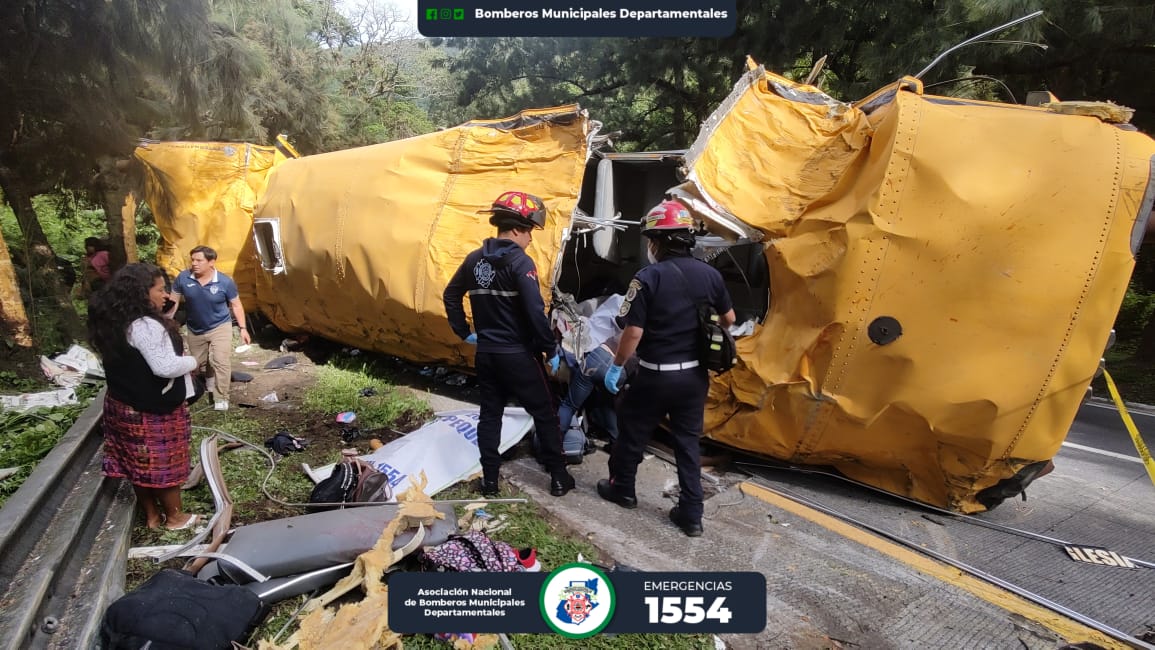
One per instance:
[(1098, 426)]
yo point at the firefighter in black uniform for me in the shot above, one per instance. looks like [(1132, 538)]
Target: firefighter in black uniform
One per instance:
[(661, 324), (512, 335)]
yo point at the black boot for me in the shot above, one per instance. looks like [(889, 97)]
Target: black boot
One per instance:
[(486, 488), (561, 482), (609, 492), (691, 529)]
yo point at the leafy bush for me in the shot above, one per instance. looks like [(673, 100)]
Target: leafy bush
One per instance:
[(1138, 307), (26, 437)]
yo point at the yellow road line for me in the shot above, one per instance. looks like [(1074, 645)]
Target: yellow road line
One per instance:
[(1070, 631)]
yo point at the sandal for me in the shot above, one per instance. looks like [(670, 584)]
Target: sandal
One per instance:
[(193, 520)]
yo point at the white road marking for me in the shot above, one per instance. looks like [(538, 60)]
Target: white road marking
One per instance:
[(1102, 452)]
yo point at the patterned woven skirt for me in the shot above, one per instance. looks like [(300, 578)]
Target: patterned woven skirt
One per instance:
[(148, 449)]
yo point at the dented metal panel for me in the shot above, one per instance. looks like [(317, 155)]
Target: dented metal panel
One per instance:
[(944, 278)]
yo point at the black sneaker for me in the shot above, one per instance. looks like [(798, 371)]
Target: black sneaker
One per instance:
[(607, 491), (691, 529), (561, 483), (486, 488)]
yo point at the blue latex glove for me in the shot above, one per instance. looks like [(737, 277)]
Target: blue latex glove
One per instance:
[(612, 377), (471, 339), (554, 363)]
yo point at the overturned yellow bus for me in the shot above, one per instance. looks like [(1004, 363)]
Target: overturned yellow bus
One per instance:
[(926, 283)]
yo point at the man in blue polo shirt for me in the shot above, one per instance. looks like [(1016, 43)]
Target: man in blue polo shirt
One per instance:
[(209, 297)]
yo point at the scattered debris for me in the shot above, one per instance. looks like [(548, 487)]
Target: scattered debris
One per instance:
[(1109, 112), (8, 471), (346, 417), (241, 349), (368, 391), (250, 363), (271, 397), (241, 377), (281, 362), (443, 449), (70, 368), (48, 398), (285, 443), (457, 379), (349, 434)]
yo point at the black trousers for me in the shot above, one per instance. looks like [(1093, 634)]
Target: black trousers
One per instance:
[(520, 375), (681, 394)]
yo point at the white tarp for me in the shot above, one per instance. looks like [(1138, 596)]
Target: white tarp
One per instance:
[(445, 449)]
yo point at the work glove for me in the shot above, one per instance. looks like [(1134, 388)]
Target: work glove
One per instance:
[(472, 338), (612, 376), (554, 364)]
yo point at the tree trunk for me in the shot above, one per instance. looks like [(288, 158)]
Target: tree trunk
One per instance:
[(12, 314), (44, 286), (119, 202)]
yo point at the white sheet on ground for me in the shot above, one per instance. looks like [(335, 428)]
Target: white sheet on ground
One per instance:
[(445, 449), (25, 401)]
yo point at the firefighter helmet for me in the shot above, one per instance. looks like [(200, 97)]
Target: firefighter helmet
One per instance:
[(667, 218), (519, 208)]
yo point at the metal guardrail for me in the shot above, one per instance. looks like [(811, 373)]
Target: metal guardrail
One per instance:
[(64, 539)]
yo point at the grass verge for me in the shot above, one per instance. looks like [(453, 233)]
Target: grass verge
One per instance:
[(376, 403)]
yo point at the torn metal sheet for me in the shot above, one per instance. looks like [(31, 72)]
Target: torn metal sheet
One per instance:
[(445, 449), (364, 625), (944, 276)]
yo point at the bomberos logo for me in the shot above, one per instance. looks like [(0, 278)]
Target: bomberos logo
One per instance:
[(577, 600)]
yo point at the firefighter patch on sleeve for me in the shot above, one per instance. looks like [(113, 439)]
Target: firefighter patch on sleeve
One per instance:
[(631, 293)]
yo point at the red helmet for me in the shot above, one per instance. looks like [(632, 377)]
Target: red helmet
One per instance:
[(667, 217), (522, 207)]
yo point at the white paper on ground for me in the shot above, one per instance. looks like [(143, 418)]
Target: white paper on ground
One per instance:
[(26, 401), (81, 360), (445, 449)]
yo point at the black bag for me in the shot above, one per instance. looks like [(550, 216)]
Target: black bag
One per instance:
[(717, 350), (352, 481), (175, 611)]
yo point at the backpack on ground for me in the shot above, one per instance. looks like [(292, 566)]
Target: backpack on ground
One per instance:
[(352, 481), (173, 610), (473, 551)]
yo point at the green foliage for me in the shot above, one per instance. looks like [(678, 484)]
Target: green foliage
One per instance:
[(12, 381), (26, 437), (147, 235), (339, 389), (1136, 311)]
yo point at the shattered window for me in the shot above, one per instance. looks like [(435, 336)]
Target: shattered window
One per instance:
[(267, 235)]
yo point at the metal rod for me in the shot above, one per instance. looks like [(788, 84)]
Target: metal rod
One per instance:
[(972, 39)]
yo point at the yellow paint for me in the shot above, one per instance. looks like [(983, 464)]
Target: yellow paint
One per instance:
[(203, 193), (1069, 630), (371, 236), (997, 235)]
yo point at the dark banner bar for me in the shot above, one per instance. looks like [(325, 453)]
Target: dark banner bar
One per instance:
[(449, 18), (577, 601)]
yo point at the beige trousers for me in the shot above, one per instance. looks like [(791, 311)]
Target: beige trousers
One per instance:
[(214, 349)]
